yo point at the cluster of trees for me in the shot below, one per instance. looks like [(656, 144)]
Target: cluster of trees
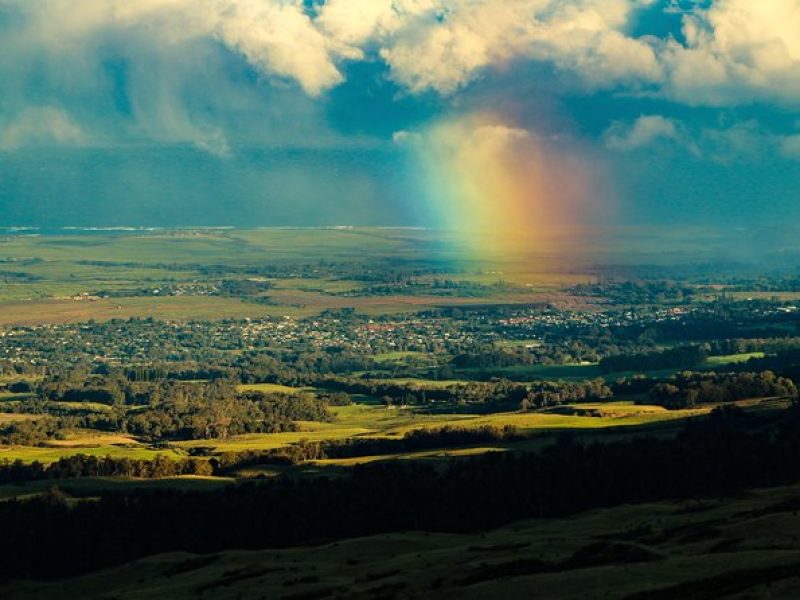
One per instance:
[(30, 432), (214, 411), (165, 410), (230, 462), (428, 287), (421, 439), (182, 371), (15, 369), (242, 287), (299, 368), (688, 389), (549, 393), (18, 276), (493, 358), (639, 292), (747, 345), (684, 357), (410, 394), (482, 396), (19, 387), (766, 283), (83, 465)]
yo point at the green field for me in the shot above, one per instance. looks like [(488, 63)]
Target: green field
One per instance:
[(12, 417), (48, 454), (424, 383), (732, 359), (570, 372), (52, 271), (740, 547), (272, 388), (389, 357), (362, 420)]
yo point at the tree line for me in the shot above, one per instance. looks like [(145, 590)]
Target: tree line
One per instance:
[(84, 465), (687, 389), (480, 396), (683, 357), (170, 410)]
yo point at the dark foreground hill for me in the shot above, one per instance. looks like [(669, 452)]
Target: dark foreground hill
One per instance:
[(742, 547)]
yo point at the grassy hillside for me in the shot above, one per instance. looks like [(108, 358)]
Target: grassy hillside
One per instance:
[(743, 547)]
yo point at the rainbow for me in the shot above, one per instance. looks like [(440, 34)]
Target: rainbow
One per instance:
[(500, 190)]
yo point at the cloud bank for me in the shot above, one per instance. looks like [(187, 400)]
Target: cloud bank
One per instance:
[(657, 86), (731, 51), (727, 53)]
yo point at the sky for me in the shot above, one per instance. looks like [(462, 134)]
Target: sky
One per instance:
[(523, 116)]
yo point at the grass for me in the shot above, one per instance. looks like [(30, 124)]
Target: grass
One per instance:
[(89, 486), (6, 418), (49, 454), (520, 343), (569, 372), (742, 546), (92, 439), (11, 397), (379, 422), (356, 420), (782, 296), (425, 455), (63, 266), (169, 308), (731, 359), (536, 422), (82, 406), (423, 383), (389, 357), (272, 388)]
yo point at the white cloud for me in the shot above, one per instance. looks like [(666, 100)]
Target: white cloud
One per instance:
[(40, 126), (790, 146), (279, 39), (157, 70), (737, 51), (350, 24), (644, 131), (742, 141), (470, 134), (404, 137), (276, 36), (444, 48), (438, 45)]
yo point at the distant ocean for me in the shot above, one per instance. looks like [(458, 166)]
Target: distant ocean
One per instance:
[(122, 230), (35, 231)]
